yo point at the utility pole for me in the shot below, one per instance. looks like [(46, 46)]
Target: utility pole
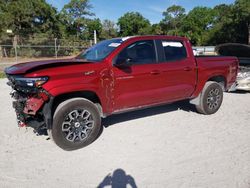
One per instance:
[(15, 46), (56, 47), (95, 37)]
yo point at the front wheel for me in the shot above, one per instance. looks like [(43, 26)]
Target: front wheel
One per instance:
[(211, 98), (76, 124)]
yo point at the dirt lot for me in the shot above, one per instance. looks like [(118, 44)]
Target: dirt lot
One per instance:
[(168, 146)]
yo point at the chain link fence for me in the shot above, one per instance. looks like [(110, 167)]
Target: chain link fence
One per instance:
[(17, 48)]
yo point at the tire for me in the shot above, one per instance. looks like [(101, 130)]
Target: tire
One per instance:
[(210, 99), (76, 124)]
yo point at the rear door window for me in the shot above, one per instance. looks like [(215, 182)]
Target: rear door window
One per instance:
[(174, 50)]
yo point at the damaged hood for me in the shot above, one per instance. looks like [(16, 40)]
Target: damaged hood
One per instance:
[(23, 68)]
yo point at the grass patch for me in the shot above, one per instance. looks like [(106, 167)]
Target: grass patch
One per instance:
[(2, 75)]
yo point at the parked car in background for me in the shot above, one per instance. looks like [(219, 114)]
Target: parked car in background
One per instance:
[(243, 53), (243, 77)]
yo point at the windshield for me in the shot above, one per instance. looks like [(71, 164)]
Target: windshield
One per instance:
[(101, 50)]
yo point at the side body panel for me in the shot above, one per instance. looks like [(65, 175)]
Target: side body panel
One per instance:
[(178, 79), (210, 67), (153, 83)]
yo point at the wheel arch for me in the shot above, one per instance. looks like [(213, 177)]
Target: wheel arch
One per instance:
[(89, 95), (219, 79)]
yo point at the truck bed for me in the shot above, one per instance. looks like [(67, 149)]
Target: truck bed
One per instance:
[(224, 65)]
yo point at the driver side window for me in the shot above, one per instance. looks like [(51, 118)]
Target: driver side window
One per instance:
[(140, 52)]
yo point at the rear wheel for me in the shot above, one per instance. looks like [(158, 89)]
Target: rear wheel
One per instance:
[(76, 124), (210, 99)]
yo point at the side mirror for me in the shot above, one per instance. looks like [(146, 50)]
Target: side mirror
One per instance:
[(120, 62)]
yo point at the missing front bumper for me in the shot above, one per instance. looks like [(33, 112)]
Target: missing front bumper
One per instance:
[(33, 110)]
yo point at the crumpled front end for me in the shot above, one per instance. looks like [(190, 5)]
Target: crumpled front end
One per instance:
[(243, 79), (30, 101)]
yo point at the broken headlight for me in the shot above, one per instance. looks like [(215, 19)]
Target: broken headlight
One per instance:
[(30, 82)]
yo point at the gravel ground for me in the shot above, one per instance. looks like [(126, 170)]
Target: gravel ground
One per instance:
[(163, 147)]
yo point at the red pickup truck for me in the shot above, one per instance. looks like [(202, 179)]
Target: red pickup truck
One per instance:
[(68, 97)]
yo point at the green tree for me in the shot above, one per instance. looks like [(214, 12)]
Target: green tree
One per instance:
[(75, 15), (91, 26), (231, 23), (173, 17), (26, 17), (223, 29), (197, 24), (133, 23), (156, 29), (242, 11), (109, 29)]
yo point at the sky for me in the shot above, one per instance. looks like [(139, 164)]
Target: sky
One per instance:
[(150, 9)]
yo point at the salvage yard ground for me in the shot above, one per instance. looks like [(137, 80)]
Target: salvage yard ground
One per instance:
[(162, 147)]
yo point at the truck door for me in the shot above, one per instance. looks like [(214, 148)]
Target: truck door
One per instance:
[(178, 77), (138, 83)]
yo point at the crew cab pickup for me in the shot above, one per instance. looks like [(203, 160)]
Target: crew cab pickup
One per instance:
[(68, 97)]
